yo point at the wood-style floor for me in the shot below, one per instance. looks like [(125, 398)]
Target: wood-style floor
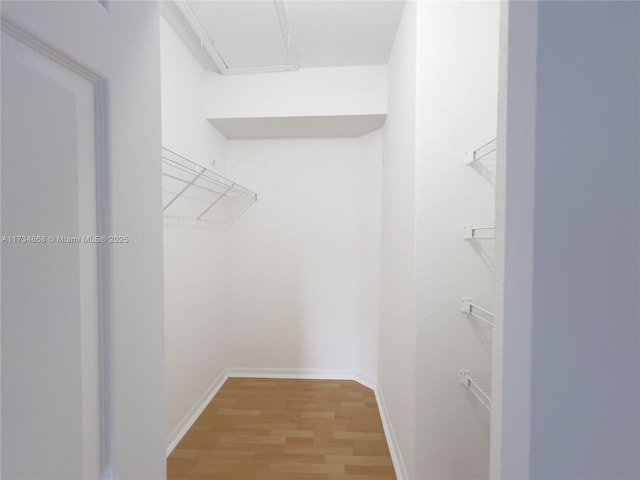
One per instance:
[(285, 429)]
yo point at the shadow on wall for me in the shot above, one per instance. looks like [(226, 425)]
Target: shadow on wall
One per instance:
[(484, 333), (487, 170), (486, 250)]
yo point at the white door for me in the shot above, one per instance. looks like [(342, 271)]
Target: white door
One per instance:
[(71, 403), (50, 311)]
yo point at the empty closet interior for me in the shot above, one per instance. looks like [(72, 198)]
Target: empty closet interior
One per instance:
[(329, 173)]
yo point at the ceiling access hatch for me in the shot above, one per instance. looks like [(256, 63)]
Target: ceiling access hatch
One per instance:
[(243, 36), (278, 35)]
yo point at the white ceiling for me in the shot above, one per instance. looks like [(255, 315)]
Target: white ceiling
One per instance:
[(245, 33), (259, 35), (342, 33), (298, 127)]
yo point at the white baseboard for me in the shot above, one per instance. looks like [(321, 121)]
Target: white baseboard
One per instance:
[(192, 415), (396, 456), (366, 380), (295, 373)]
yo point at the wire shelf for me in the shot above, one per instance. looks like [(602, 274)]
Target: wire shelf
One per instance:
[(479, 386), (484, 152), (193, 192)]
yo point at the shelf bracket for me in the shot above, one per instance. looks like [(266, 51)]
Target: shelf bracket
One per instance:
[(469, 232), (482, 152), (465, 378), (471, 385), (470, 309)]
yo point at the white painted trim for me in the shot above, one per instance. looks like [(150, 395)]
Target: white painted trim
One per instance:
[(394, 449), (295, 373), (366, 380), (201, 34), (285, 29), (192, 415), (302, 374), (510, 446)]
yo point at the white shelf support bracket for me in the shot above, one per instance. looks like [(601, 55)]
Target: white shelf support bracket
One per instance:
[(483, 152), (465, 305), (467, 232), (477, 391), (470, 232), (465, 378), (469, 157), (469, 308)]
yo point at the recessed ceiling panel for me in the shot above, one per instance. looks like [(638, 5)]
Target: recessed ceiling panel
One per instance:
[(341, 33), (246, 34)]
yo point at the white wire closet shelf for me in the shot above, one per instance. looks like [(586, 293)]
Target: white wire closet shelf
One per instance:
[(486, 151), (471, 232), (193, 192), (479, 386), (476, 311)]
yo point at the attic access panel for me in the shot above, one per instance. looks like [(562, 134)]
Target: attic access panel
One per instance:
[(247, 35)]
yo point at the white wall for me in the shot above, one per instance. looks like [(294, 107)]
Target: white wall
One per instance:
[(185, 128), (583, 308), (442, 101), (297, 256), (194, 256), (306, 92), (396, 360), (369, 195), (457, 87)]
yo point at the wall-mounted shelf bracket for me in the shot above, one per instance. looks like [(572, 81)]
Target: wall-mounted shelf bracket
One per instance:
[(470, 232), (476, 311), (484, 152), (479, 390)]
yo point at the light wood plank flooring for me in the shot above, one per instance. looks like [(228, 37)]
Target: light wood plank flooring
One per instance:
[(285, 429)]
